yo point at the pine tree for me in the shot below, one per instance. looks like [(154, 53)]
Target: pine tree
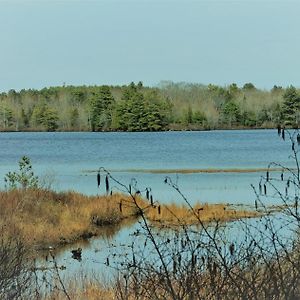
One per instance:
[(101, 103), (291, 105)]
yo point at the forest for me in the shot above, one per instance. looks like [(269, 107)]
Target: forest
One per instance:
[(135, 107)]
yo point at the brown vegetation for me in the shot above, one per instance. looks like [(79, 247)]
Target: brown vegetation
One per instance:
[(89, 289), (46, 218), (175, 214)]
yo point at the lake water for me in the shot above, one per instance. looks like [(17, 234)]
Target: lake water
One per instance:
[(67, 159), (70, 162)]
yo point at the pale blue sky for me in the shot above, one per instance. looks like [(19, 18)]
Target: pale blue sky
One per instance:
[(45, 43)]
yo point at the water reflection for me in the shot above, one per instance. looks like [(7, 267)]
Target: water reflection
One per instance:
[(102, 255), (94, 251)]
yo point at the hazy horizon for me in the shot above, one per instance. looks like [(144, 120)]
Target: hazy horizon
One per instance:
[(47, 43)]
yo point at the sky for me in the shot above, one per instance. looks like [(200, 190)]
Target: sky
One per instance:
[(51, 43)]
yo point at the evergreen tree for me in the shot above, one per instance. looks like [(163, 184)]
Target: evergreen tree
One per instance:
[(249, 86), (50, 119), (231, 113), (45, 116), (199, 117), (291, 105), (101, 104), (139, 112)]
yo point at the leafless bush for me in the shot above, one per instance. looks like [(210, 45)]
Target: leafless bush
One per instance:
[(49, 281), (15, 267)]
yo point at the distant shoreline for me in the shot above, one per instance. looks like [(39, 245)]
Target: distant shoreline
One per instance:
[(121, 131)]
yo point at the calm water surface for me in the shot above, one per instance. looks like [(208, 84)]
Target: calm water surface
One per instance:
[(70, 161), (66, 159)]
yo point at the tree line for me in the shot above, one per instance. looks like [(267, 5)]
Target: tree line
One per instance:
[(134, 107)]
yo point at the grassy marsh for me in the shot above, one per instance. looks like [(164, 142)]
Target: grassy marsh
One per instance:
[(175, 214), (46, 218)]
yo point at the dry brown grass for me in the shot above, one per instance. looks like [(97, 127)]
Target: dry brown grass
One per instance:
[(88, 290), (174, 214), (46, 218)]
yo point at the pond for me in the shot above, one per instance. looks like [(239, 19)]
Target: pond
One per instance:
[(208, 166), (69, 160)]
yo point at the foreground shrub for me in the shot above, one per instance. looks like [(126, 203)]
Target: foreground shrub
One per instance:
[(15, 266)]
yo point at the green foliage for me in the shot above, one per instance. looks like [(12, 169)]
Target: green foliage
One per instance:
[(233, 89), (50, 119), (101, 104), (194, 117), (199, 117), (263, 116), (74, 117), (24, 179), (276, 110), (6, 115), (136, 107), (46, 116), (139, 112), (248, 119), (231, 113), (291, 106), (78, 95), (276, 89), (219, 94), (249, 86)]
